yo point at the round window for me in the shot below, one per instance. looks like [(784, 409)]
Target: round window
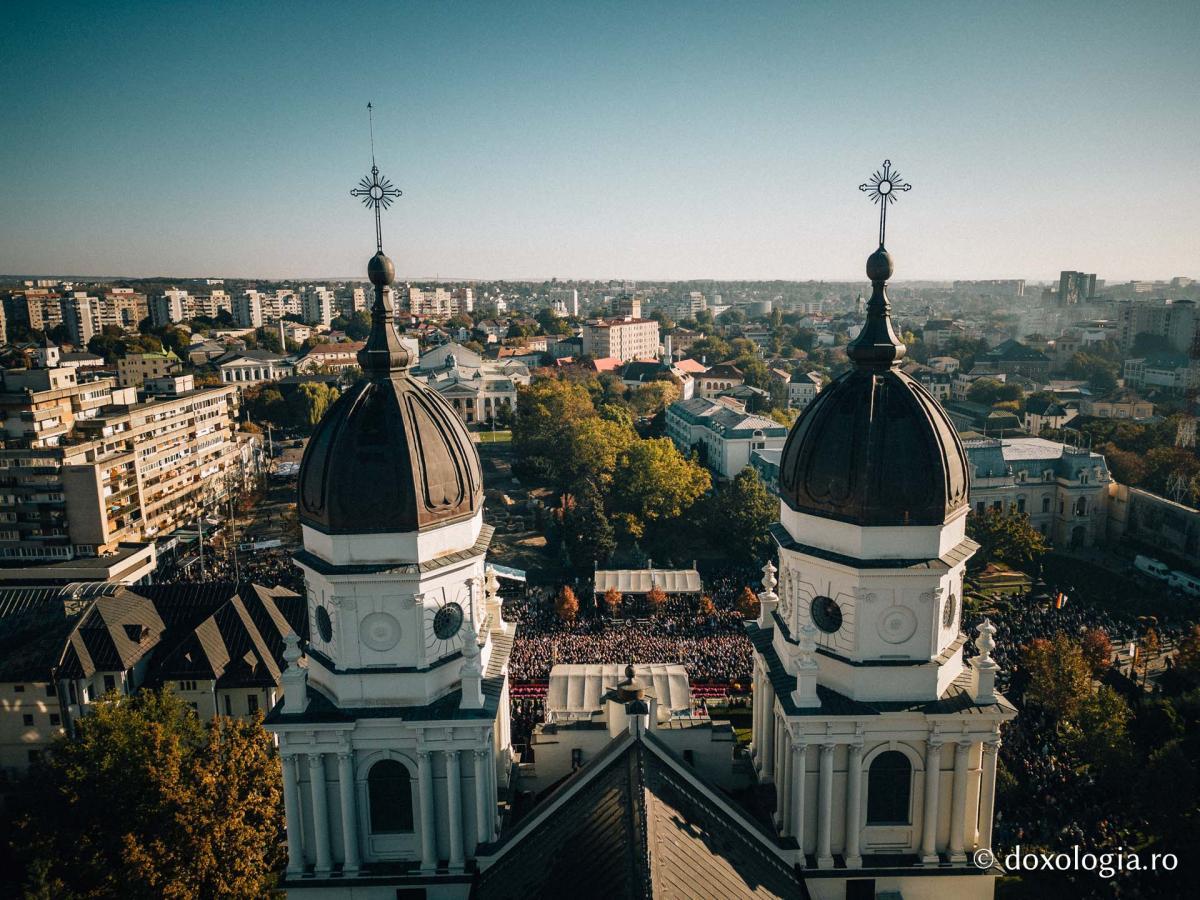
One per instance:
[(448, 621), (324, 624), (826, 614), (949, 611)]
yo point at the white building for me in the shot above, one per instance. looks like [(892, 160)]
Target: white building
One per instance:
[(317, 306), (395, 735), (879, 739), (722, 432), (248, 310), (803, 389), (623, 339), (565, 301)]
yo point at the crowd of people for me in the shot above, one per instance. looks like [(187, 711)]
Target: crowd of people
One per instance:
[(712, 646), (270, 567)]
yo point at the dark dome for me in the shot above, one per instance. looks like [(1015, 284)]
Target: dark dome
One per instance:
[(874, 447), (391, 455)]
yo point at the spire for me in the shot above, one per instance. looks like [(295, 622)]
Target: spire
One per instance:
[(383, 355), (877, 346)]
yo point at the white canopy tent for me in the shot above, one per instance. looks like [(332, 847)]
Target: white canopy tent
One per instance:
[(575, 689), (640, 581)]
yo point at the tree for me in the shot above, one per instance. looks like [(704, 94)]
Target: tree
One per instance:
[(310, 401), (1097, 649), (748, 604), (548, 409), (1101, 733), (656, 597), (566, 605), (653, 397), (706, 606), (1059, 676), (1006, 536), (1187, 660), (612, 601), (739, 515), (594, 445), (654, 484), (147, 801), (586, 530), (1126, 466)]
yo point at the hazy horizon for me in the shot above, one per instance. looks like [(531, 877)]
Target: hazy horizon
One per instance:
[(669, 142)]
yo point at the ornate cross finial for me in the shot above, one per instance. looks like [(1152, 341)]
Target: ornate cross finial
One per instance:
[(881, 188), (375, 191)]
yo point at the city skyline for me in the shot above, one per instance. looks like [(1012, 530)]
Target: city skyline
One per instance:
[(696, 143)]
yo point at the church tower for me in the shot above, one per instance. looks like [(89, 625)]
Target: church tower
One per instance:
[(879, 740), (394, 728)]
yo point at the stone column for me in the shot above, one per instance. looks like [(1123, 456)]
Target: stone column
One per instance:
[(799, 752), (756, 717), (853, 806), (320, 811), (428, 819), (958, 802), (454, 803), (987, 794), (784, 789), (483, 802), (767, 760), (825, 809), (929, 820), (349, 810), (293, 815)]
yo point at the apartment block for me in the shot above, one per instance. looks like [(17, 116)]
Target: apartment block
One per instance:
[(87, 466), (623, 339), (135, 368)]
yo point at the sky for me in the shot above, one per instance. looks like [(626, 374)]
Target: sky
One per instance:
[(602, 139)]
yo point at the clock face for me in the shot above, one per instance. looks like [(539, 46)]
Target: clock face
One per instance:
[(444, 618), (324, 624), (447, 621), (949, 610), (826, 614)]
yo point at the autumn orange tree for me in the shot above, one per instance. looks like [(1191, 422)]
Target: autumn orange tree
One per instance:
[(706, 606), (566, 605), (1097, 649), (147, 801), (747, 604), (657, 598), (612, 600)]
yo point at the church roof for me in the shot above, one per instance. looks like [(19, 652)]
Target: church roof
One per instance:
[(391, 455), (637, 822), (875, 448)]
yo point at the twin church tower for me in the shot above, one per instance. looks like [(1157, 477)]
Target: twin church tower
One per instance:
[(879, 740)]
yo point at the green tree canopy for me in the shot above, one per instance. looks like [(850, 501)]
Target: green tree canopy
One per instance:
[(739, 514), (146, 802), (654, 484)]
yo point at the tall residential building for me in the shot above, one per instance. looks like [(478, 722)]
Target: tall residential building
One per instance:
[(622, 339), (248, 310), (430, 303), (81, 315), (172, 305), (1076, 287), (1178, 321), (85, 467), (317, 306)]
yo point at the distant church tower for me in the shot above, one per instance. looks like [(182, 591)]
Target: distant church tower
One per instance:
[(879, 740), (394, 729)]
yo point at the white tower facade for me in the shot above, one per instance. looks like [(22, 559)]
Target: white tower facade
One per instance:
[(394, 729), (880, 741)]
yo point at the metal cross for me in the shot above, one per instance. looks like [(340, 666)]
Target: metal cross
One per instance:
[(376, 191), (881, 188)]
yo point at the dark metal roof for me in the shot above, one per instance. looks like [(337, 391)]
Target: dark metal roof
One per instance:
[(874, 447), (390, 456), (635, 822)]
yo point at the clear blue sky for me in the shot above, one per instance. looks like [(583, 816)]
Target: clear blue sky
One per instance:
[(600, 139)]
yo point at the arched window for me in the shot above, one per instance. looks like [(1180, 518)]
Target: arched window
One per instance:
[(390, 797), (889, 786)]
